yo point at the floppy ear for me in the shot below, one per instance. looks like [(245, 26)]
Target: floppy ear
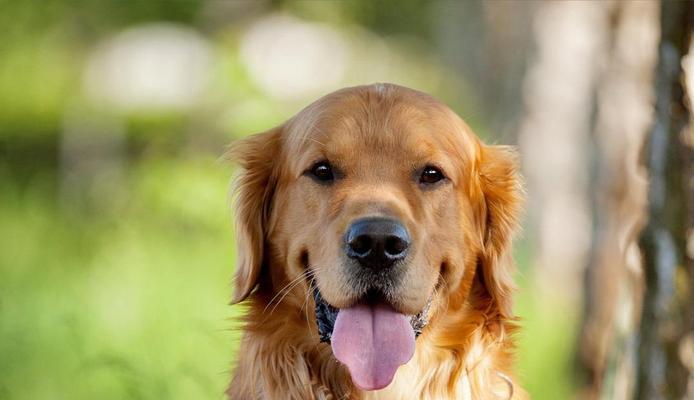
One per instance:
[(253, 189), (503, 197)]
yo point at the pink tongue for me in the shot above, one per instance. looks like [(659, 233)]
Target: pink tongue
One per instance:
[(373, 341)]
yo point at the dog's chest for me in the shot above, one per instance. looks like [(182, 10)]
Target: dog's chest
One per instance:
[(406, 387), (424, 378)]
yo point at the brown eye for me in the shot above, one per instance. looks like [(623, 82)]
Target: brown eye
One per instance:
[(322, 171), (431, 175)]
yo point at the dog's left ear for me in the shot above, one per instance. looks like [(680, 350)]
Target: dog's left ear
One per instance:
[(502, 192), (254, 189)]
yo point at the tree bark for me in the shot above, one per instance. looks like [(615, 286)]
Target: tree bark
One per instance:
[(667, 313)]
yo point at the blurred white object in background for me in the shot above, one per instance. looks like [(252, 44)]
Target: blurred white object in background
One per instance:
[(554, 138), (154, 66), (291, 59)]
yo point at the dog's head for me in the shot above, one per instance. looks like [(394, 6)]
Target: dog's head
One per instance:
[(381, 202)]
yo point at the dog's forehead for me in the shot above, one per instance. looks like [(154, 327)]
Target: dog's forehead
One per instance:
[(389, 125)]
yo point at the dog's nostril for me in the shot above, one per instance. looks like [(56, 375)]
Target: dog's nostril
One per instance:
[(361, 245), (395, 246), (377, 243)]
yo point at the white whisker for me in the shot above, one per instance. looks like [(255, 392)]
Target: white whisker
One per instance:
[(288, 287)]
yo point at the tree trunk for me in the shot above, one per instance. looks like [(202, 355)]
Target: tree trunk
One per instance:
[(665, 355), (614, 280)]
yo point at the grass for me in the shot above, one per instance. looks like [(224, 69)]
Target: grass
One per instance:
[(124, 295)]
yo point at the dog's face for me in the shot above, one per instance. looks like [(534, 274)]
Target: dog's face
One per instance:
[(370, 202), (385, 204)]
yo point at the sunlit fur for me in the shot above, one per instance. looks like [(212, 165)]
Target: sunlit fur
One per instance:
[(289, 232)]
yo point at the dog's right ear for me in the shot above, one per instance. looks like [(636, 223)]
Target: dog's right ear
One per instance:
[(253, 190)]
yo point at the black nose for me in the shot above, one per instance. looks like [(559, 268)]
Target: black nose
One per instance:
[(377, 242)]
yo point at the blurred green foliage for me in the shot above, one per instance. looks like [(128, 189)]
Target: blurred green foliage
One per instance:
[(118, 287), (129, 302)]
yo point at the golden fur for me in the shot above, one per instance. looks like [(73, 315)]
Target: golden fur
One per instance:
[(289, 231)]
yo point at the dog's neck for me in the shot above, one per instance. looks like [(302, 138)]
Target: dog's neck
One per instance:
[(464, 355), (467, 370)]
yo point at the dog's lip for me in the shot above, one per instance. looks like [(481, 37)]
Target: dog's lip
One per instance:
[(371, 297), (325, 315)]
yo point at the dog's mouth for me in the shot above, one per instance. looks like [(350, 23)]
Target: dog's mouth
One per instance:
[(326, 315), (371, 338)]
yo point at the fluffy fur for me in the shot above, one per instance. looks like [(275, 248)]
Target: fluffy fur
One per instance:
[(289, 228)]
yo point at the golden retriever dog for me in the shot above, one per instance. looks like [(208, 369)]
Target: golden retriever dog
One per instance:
[(374, 254)]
